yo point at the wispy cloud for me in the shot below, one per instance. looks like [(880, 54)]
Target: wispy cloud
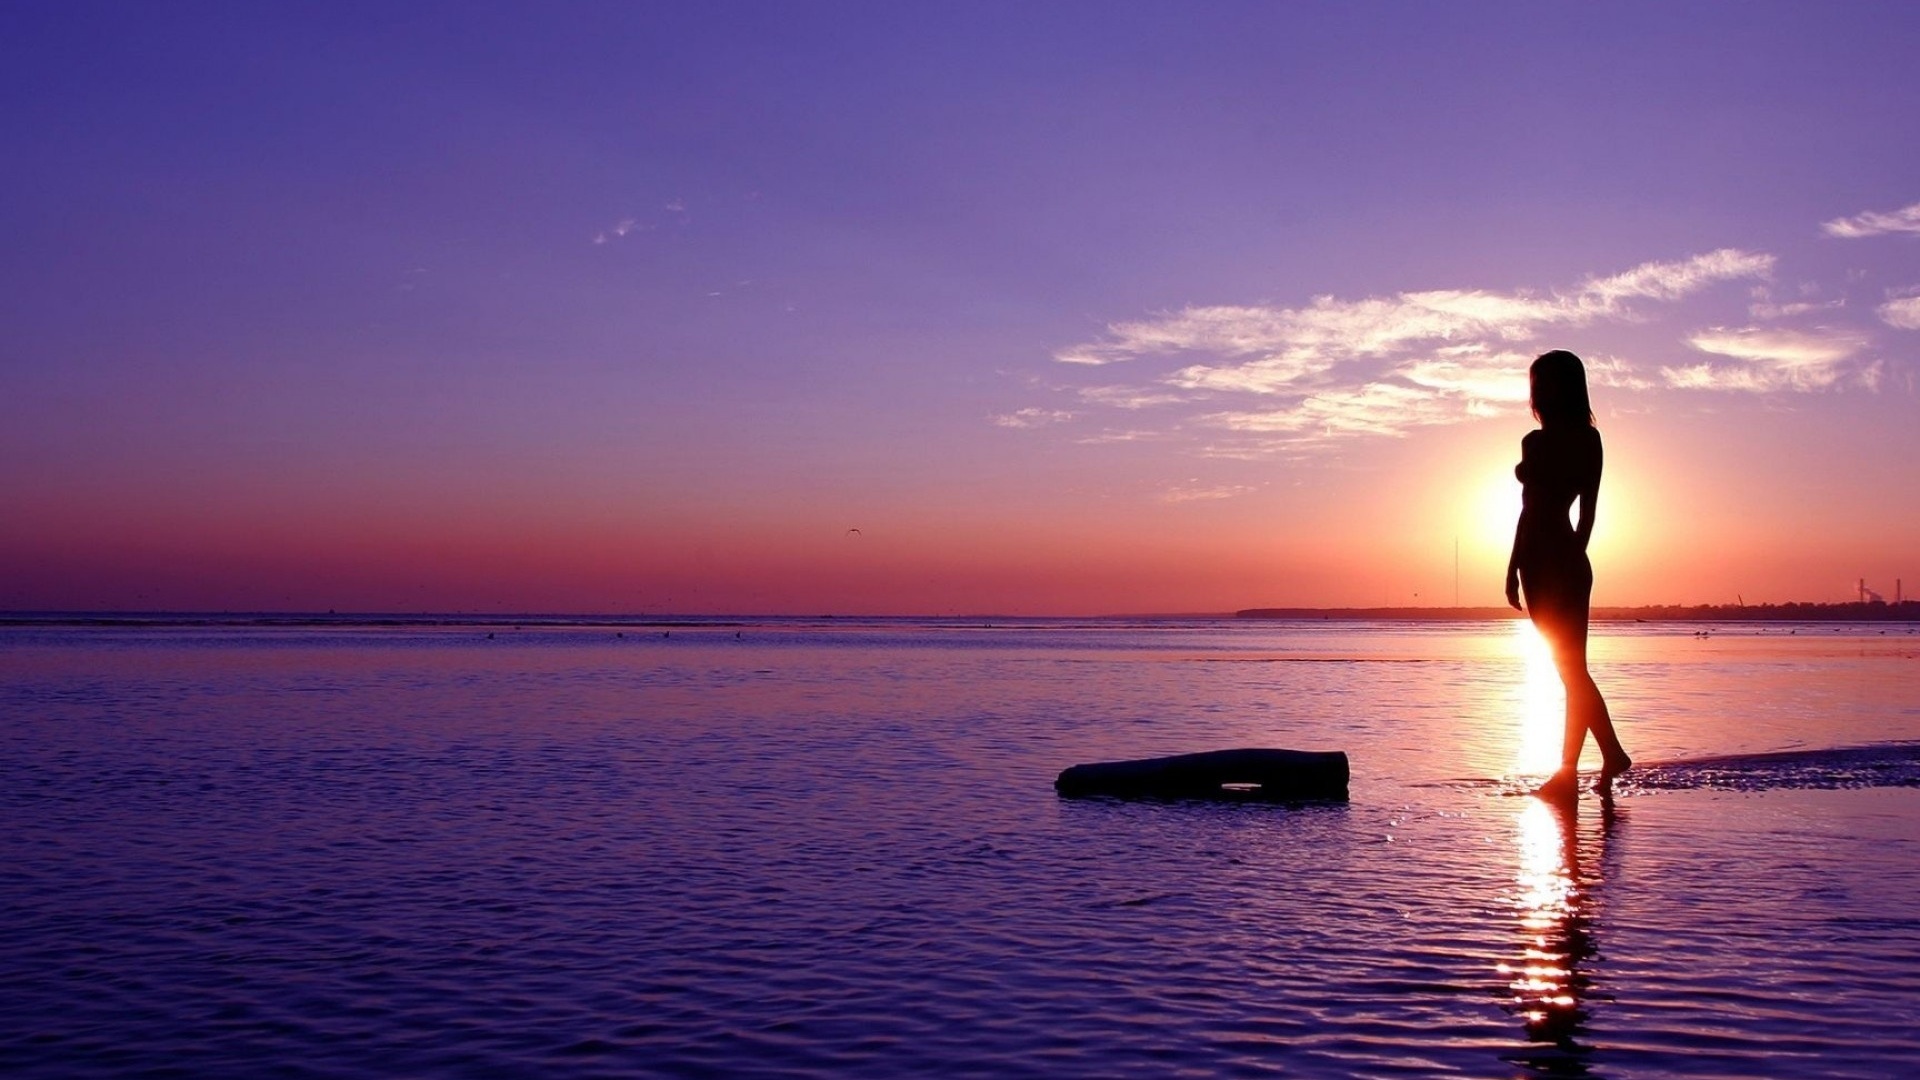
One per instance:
[(1672, 280), (1611, 371), (1764, 306), (1091, 359), (1108, 437), (1788, 347), (1378, 408), (1902, 313), (1769, 310), (1031, 418), (1381, 366), (620, 228), (1767, 359), (1475, 374), (1875, 223), (1268, 350), (1128, 397), (1259, 380), (1709, 377), (1203, 494), (677, 209)]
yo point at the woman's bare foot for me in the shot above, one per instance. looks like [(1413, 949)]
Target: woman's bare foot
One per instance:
[(1559, 787), (1614, 766)]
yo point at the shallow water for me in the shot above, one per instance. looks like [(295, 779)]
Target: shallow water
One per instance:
[(832, 848)]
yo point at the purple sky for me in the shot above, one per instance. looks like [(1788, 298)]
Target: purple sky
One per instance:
[(1068, 308)]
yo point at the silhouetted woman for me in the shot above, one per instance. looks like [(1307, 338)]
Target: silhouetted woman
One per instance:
[(1558, 464)]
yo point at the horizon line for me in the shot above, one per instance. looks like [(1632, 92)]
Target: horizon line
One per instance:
[(1803, 610)]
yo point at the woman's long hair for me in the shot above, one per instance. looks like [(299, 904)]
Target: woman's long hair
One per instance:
[(1557, 390)]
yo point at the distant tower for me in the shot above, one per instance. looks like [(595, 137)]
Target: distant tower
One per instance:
[(1863, 590)]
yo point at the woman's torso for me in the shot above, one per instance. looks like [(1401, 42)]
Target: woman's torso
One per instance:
[(1556, 465)]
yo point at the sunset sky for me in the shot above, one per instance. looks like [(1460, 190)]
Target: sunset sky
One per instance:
[(958, 308)]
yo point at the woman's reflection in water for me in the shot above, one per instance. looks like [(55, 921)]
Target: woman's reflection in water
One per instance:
[(1549, 987)]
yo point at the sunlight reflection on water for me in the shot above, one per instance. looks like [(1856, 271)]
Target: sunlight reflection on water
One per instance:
[(1546, 982)]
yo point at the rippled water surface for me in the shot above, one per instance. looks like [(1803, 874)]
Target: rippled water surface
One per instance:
[(833, 849)]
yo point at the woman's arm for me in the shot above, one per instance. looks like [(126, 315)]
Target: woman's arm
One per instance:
[(1519, 528), (1589, 495), (1513, 565)]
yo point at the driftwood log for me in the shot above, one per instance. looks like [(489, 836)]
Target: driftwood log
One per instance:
[(1266, 775)]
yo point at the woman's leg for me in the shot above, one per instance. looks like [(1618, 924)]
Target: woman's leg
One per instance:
[(1614, 759), (1586, 707), (1558, 606), (1569, 661)]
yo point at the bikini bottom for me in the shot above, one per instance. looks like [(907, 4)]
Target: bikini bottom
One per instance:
[(1559, 592)]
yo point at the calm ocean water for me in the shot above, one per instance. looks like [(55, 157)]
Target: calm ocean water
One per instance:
[(832, 848)]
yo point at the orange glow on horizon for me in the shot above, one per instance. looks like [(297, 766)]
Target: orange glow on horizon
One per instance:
[(1377, 527)]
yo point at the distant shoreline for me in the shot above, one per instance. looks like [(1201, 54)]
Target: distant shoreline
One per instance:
[(1870, 611)]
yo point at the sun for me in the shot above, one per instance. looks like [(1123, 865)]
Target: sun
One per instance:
[(1492, 509), (1496, 509)]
